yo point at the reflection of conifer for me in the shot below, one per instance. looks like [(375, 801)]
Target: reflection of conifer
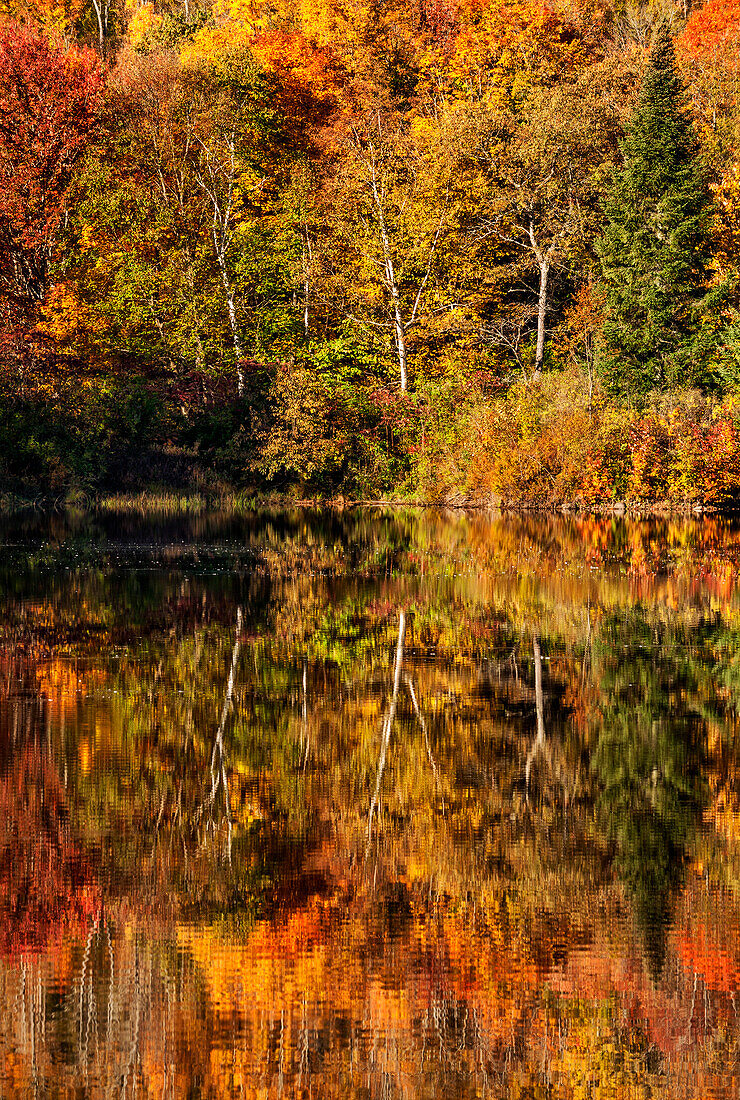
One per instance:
[(648, 768), (651, 865), (654, 250)]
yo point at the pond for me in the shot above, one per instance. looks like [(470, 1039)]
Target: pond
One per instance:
[(369, 804)]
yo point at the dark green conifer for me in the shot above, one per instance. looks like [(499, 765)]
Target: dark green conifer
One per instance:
[(654, 251)]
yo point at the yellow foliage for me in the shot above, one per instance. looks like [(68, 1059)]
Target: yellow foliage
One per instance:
[(57, 17), (143, 24), (211, 43)]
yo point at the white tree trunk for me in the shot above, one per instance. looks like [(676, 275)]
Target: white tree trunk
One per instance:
[(231, 307), (222, 234), (401, 347), (399, 328), (539, 743), (541, 314), (101, 14), (306, 279)]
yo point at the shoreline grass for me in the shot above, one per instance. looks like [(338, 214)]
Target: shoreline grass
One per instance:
[(151, 502)]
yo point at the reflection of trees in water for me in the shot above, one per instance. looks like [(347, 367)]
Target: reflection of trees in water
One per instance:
[(47, 878), (442, 763), (325, 1002), (468, 952), (648, 761), (136, 1015), (102, 1016)]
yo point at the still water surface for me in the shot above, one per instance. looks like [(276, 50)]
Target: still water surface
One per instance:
[(369, 806)]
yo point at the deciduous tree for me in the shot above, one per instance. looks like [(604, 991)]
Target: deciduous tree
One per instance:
[(49, 100), (542, 165)]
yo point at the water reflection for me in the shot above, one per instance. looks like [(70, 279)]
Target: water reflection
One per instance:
[(368, 806)]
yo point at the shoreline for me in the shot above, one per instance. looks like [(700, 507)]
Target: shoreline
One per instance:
[(169, 503)]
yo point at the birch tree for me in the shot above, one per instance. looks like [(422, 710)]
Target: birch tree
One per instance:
[(230, 130), (161, 123), (397, 211), (102, 17), (217, 174), (197, 144), (543, 167)]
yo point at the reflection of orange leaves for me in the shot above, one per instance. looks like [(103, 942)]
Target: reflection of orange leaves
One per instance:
[(64, 688), (724, 813), (598, 975), (576, 698), (715, 966), (46, 882), (597, 533), (275, 957)]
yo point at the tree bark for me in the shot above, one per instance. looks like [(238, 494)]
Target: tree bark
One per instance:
[(538, 697), (231, 307), (541, 314), (101, 13), (306, 279), (399, 329), (222, 234)]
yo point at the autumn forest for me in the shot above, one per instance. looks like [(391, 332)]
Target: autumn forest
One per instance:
[(448, 251)]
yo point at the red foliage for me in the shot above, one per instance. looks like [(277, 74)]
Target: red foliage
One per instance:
[(712, 27), (49, 99)]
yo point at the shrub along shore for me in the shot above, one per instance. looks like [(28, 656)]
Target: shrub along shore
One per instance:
[(553, 445)]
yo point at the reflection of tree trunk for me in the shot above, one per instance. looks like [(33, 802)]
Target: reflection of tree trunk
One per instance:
[(539, 741), (588, 645), (538, 690), (218, 770), (218, 755), (388, 721), (423, 725), (306, 737)]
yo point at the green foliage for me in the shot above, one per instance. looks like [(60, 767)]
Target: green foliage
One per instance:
[(77, 441), (326, 428), (655, 249), (176, 27)]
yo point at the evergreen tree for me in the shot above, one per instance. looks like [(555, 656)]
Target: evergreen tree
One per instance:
[(654, 251)]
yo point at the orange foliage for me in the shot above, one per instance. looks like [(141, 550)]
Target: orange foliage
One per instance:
[(308, 78), (519, 39), (711, 27)]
